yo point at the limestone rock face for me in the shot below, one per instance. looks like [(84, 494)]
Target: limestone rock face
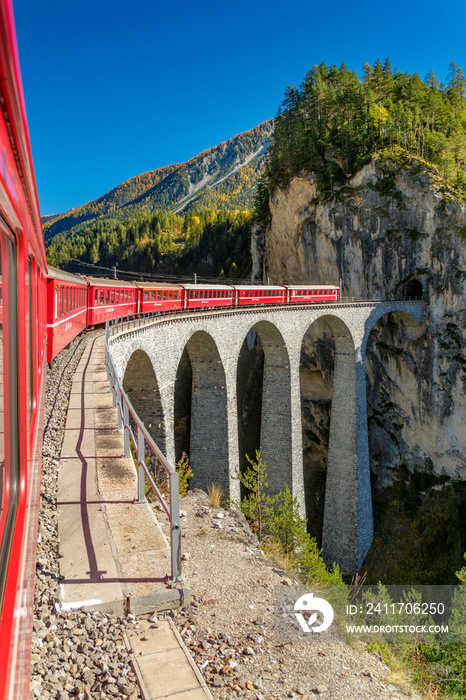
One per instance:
[(393, 232)]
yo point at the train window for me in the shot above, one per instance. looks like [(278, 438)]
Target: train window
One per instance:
[(146, 295), (113, 297), (170, 295), (152, 295), (9, 462), (107, 296), (159, 295), (164, 296), (196, 294)]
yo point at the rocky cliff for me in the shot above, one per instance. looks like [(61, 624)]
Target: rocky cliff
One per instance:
[(394, 230)]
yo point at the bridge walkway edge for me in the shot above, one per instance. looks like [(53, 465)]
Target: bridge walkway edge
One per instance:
[(114, 556)]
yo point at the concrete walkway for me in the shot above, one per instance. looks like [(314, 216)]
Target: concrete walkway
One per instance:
[(113, 554), (163, 664)]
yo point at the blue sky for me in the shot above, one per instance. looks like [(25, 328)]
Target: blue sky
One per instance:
[(116, 88)]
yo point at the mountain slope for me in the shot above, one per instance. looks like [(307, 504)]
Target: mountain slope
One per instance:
[(223, 177)]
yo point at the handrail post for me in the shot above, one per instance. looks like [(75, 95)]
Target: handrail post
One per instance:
[(126, 429), (175, 527), (120, 423), (141, 475), (113, 386)]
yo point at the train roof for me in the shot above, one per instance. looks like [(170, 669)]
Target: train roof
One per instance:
[(313, 286), (207, 286), (106, 282), (158, 285), (55, 273), (259, 286)]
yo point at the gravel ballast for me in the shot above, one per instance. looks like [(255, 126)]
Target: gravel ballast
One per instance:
[(75, 654)]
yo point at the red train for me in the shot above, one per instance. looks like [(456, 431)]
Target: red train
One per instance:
[(23, 270), (107, 299), (41, 311)]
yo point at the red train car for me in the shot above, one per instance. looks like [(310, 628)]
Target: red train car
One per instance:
[(159, 297), (23, 272), (249, 295), (201, 296), (66, 309), (109, 299), (313, 293)]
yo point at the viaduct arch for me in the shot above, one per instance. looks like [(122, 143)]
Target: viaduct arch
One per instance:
[(213, 341)]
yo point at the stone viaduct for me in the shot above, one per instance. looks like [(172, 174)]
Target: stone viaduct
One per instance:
[(213, 340)]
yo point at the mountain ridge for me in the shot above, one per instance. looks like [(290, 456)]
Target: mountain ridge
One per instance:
[(223, 176)]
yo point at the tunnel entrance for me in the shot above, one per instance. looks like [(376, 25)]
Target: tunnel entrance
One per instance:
[(413, 289)]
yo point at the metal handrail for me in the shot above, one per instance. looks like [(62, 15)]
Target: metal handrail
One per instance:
[(125, 409)]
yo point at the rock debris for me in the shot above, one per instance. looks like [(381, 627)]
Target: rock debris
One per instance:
[(229, 628)]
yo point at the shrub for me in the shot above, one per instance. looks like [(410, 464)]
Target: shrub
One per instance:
[(184, 474)]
